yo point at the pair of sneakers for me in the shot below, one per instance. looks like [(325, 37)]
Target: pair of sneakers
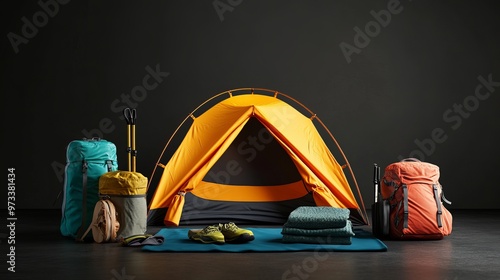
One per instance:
[(221, 233)]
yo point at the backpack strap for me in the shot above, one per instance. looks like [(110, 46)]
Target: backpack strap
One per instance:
[(444, 198), (438, 204), (109, 164), (86, 232), (79, 235), (405, 205)]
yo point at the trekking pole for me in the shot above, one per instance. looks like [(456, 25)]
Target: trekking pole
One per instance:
[(376, 180), (130, 116), (134, 150)]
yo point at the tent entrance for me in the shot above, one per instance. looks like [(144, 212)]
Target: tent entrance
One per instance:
[(255, 181), (254, 158)]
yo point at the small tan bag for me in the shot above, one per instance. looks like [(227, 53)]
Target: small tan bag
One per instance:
[(104, 223)]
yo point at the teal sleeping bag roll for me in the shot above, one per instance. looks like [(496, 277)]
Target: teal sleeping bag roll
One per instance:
[(86, 161)]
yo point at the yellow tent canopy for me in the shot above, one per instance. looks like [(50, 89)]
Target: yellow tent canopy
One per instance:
[(214, 132)]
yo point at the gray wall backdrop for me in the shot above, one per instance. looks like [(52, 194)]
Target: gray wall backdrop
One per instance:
[(389, 78)]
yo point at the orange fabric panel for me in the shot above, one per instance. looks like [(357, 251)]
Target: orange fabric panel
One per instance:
[(422, 221), (174, 211), (214, 191), (298, 135), (423, 218), (215, 153), (408, 172), (203, 140)]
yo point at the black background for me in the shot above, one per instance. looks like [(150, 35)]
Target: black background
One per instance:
[(393, 93)]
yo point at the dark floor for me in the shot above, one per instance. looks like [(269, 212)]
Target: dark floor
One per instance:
[(472, 251)]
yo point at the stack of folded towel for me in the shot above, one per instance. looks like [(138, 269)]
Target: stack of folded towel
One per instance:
[(318, 224)]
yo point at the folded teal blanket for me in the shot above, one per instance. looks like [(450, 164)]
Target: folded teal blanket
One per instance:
[(287, 238), (333, 232), (317, 217)]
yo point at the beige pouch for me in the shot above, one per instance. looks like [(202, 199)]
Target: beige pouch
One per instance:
[(104, 225)]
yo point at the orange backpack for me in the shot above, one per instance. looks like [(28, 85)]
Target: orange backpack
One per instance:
[(415, 197)]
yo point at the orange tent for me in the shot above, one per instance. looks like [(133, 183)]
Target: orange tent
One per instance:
[(212, 134)]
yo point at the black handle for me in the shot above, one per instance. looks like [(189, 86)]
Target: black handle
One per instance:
[(410, 160), (376, 174), (130, 115)]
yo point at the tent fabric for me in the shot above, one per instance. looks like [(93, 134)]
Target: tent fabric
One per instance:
[(205, 190), (198, 211), (212, 133)]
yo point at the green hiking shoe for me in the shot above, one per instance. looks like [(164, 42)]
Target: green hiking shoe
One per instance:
[(234, 234), (209, 234)]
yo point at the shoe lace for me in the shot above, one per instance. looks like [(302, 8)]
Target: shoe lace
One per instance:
[(210, 229), (229, 226)]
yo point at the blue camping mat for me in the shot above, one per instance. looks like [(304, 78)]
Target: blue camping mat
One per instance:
[(266, 240)]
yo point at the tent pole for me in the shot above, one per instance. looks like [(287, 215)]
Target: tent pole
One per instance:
[(275, 93)]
